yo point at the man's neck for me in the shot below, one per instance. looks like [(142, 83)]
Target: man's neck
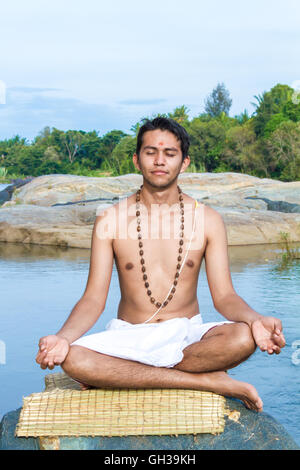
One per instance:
[(160, 196)]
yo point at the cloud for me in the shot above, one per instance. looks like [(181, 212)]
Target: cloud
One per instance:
[(135, 102), (31, 90), (27, 117)]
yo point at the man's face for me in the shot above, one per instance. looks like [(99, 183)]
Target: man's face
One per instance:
[(160, 159)]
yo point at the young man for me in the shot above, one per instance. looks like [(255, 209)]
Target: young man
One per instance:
[(158, 237)]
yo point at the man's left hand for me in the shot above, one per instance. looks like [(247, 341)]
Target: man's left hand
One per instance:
[(267, 333)]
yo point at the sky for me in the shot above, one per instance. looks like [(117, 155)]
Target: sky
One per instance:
[(104, 65)]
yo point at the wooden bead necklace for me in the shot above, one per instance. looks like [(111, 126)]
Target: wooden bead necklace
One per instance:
[(141, 252)]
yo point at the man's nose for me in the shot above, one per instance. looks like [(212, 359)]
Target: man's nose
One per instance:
[(160, 158)]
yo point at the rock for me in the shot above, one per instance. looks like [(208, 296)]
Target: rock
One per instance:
[(63, 225), (244, 430), (6, 194), (61, 209), (48, 190), (278, 206), (20, 181), (259, 227)]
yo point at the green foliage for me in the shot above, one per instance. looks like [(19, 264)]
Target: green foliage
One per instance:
[(218, 101), (241, 152), (289, 254), (284, 150), (273, 123), (243, 117), (3, 172), (292, 111), (266, 144), (180, 115), (276, 101), (207, 141), (120, 160)]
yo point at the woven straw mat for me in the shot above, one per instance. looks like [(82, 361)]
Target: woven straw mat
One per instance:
[(64, 410)]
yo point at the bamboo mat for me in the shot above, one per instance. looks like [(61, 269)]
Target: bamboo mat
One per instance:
[(63, 410)]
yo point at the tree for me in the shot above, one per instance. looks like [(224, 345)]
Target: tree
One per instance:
[(43, 135), (284, 149), (218, 101), (120, 159), (89, 155), (292, 111), (242, 152), (106, 146), (268, 104), (242, 117), (73, 142), (180, 115), (207, 141), (273, 123), (28, 161), (51, 155)]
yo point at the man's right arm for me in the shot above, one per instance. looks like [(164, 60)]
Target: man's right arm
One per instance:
[(53, 349), (92, 303)]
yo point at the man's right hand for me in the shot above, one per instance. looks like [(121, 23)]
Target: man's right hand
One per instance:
[(52, 351)]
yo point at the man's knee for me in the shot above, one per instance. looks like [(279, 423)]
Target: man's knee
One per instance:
[(73, 360), (243, 338)]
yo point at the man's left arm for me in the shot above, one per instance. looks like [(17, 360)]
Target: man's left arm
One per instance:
[(267, 331)]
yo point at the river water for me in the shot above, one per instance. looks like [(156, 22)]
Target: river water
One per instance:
[(41, 284)]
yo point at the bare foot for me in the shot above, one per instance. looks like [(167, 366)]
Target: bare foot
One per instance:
[(82, 385), (223, 384)]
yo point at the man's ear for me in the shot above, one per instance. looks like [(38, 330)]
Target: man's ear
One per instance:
[(135, 160), (185, 164)]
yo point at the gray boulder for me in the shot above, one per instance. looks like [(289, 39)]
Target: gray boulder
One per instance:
[(61, 209), (6, 194)]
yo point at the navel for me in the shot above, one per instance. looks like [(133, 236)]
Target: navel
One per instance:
[(190, 263), (129, 266)]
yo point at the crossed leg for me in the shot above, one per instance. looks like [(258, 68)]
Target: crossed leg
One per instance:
[(222, 347), (202, 367)]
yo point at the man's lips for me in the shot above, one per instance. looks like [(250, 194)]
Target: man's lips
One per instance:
[(159, 172)]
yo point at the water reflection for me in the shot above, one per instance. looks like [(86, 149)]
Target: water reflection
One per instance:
[(239, 256), (20, 252)]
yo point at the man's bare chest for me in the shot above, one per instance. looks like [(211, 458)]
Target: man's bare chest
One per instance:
[(162, 244), (157, 258)]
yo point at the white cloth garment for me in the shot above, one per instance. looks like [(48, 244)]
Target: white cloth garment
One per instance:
[(155, 344)]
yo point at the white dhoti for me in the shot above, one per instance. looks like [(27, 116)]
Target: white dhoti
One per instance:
[(155, 344)]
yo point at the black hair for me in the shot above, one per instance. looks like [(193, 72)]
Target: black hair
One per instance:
[(165, 124)]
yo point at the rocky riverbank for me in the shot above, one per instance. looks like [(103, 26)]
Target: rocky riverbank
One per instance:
[(244, 430), (61, 209)]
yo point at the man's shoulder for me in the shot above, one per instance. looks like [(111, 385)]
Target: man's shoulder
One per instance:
[(213, 219), (211, 213), (111, 219), (114, 209)]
